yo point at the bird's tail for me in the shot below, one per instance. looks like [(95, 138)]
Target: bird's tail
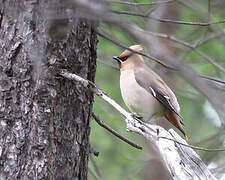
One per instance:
[(174, 119)]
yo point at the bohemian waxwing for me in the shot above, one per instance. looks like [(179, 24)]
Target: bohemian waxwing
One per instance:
[(144, 92)]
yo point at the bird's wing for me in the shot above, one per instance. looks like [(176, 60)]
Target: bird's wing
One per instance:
[(152, 83)]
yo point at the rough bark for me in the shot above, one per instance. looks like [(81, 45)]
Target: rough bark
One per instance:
[(44, 119)]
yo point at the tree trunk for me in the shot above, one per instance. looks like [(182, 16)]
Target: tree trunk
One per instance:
[(44, 119)]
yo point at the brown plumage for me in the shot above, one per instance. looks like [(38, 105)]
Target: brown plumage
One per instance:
[(144, 92)]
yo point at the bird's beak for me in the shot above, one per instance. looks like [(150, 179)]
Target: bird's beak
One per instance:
[(117, 59)]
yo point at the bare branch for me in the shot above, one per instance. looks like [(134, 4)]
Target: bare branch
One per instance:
[(168, 20), (141, 4), (161, 35), (101, 123), (212, 79), (174, 39), (114, 41), (96, 168), (209, 59), (209, 9), (131, 30), (92, 171), (204, 14), (126, 47), (207, 38), (193, 147), (184, 164), (188, 23), (176, 158)]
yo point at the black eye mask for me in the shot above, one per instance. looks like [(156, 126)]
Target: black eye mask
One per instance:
[(126, 57), (122, 59)]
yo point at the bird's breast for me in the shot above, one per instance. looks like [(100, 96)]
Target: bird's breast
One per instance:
[(137, 99)]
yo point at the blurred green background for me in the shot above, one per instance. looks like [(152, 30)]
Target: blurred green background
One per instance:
[(118, 160)]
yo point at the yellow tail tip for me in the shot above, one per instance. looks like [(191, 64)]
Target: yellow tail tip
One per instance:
[(186, 138)]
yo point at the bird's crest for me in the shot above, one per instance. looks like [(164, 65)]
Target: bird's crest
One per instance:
[(137, 48)]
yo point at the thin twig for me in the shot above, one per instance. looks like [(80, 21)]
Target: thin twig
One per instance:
[(166, 36), (150, 11), (168, 20), (209, 10), (213, 79), (174, 39), (143, 54), (202, 12), (140, 4), (190, 146), (188, 23), (209, 59), (97, 170), (92, 171), (209, 37), (163, 36), (101, 123)]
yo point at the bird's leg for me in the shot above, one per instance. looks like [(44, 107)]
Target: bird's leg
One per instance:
[(135, 116)]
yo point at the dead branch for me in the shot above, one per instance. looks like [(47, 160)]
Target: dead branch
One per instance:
[(141, 4), (102, 124), (181, 161)]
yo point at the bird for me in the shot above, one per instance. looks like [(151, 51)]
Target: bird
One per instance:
[(144, 92)]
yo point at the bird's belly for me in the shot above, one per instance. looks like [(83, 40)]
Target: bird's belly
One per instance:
[(137, 99)]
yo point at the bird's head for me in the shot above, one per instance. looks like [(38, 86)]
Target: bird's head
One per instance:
[(128, 57)]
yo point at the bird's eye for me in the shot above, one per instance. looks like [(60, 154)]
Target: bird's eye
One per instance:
[(126, 57)]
